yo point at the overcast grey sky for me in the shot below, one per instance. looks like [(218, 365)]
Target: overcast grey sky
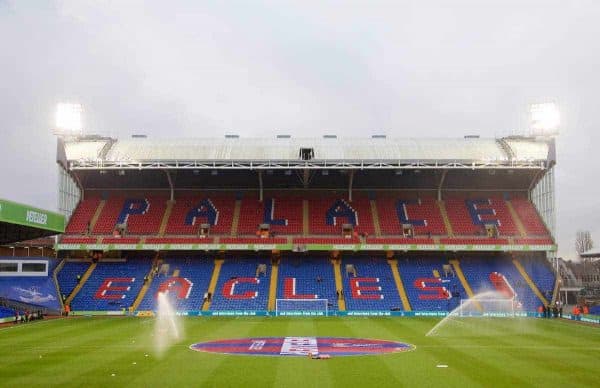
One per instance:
[(202, 68)]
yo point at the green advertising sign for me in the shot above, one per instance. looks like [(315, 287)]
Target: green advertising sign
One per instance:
[(19, 214)]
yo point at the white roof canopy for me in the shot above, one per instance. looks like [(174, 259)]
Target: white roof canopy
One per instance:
[(284, 152)]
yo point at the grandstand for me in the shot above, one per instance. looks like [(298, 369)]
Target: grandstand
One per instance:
[(380, 224), (26, 274)]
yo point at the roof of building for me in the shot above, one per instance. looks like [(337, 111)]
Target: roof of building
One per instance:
[(591, 253), (464, 150), (19, 222)]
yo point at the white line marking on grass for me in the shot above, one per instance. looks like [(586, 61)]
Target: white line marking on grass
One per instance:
[(29, 324), (442, 366)]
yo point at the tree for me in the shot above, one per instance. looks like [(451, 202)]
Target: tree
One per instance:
[(583, 241)]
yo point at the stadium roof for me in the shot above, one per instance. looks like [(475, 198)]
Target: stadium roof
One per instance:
[(330, 152), (591, 253), (20, 222)]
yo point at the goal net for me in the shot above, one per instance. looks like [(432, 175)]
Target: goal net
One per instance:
[(485, 308), (308, 307)]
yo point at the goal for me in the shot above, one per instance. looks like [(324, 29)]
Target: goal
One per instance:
[(295, 307), (486, 308)]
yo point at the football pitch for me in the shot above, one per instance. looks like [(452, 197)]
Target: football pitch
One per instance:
[(119, 352)]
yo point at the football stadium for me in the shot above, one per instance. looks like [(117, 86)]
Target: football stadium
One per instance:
[(285, 261)]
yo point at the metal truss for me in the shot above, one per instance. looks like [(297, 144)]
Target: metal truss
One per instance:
[(305, 165)]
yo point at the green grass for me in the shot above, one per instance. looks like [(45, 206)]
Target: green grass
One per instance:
[(478, 352)]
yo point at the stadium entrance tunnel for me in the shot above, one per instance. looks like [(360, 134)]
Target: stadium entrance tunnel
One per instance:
[(302, 346)]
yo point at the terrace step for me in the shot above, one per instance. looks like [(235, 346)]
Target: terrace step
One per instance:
[(79, 285), (339, 285), (96, 216), (236, 217), (305, 218), (447, 224), (146, 286), (463, 280), (516, 219), (530, 282), (165, 219), (212, 286), (399, 284), (375, 214), (273, 286)]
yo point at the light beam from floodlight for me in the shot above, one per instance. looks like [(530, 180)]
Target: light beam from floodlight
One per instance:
[(68, 117), (545, 118)]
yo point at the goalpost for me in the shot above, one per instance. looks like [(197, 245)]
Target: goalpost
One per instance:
[(486, 308), (309, 307)]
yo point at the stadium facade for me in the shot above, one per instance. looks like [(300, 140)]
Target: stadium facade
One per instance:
[(377, 226), (432, 167)]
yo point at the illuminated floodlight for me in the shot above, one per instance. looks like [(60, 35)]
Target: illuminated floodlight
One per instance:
[(68, 117), (545, 118)]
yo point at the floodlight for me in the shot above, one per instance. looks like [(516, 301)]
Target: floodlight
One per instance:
[(68, 117), (545, 117)]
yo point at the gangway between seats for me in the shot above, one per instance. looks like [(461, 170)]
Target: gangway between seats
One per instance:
[(530, 282), (212, 286), (399, 284), (339, 285), (147, 283), (79, 285), (273, 285), (463, 280)]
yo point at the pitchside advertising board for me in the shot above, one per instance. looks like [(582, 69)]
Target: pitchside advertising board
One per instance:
[(309, 247), (19, 214)]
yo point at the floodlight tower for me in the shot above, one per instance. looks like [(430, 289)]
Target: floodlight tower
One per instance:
[(68, 126), (68, 119), (544, 122), (544, 119)]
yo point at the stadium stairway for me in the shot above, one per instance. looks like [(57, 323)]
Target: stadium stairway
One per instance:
[(212, 286), (165, 219), (530, 282), (239, 288), (96, 215), (463, 280), (517, 221), (375, 215), (305, 218), (482, 273), (140, 296), (339, 284), (112, 286), (86, 275), (529, 216), (273, 285), (399, 284), (556, 289), (236, 217), (67, 276), (373, 287), (444, 212), (187, 281), (425, 285)]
